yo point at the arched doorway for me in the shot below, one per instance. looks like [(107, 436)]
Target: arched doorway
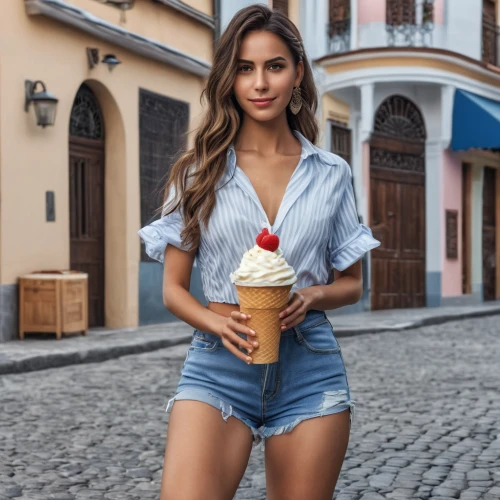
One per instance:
[(86, 197), (397, 199)]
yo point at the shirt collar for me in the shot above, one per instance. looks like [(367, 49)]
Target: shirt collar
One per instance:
[(308, 149)]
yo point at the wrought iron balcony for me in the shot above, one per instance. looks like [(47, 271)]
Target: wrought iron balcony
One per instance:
[(410, 23)]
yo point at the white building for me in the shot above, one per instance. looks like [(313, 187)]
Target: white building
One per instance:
[(410, 96)]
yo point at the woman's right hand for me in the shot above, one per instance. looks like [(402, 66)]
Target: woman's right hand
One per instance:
[(231, 340)]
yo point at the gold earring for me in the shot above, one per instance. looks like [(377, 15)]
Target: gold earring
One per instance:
[(296, 102)]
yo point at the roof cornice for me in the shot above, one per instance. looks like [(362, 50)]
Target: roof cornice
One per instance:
[(147, 47), (332, 60), (189, 11)]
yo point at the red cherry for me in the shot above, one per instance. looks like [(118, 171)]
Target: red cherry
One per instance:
[(263, 233), (270, 242)]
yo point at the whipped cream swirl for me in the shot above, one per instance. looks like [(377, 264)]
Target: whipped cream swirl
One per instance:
[(262, 267)]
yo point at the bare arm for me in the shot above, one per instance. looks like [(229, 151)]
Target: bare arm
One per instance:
[(178, 266), (345, 290)]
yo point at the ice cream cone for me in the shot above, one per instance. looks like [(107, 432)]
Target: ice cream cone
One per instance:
[(264, 303)]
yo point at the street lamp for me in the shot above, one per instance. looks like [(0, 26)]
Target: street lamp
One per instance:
[(45, 103)]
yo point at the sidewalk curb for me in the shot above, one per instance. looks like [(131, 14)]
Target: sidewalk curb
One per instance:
[(432, 320), (58, 360), (95, 355)]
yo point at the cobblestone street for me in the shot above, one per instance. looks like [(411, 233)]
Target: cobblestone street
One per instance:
[(427, 421)]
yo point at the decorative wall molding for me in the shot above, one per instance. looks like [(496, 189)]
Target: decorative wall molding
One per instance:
[(409, 65), (397, 161)]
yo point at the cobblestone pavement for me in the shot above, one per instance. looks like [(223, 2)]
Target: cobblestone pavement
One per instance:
[(426, 423)]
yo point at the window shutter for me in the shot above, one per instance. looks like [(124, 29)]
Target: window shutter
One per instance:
[(341, 141), (401, 12), (490, 33), (339, 17)]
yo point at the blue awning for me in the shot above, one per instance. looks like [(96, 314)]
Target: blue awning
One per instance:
[(476, 122)]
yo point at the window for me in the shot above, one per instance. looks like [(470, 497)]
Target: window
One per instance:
[(341, 145), (490, 33), (339, 17), (339, 25), (281, 5), (400, 12), (341, 140), (163, 124)]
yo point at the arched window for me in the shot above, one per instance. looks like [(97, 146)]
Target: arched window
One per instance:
[(398, 141), (86, 117), (398, 117)]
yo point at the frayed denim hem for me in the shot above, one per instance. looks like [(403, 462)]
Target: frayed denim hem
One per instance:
[(226, 408), (333, 402)]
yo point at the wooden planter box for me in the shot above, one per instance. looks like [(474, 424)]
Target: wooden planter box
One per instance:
[(54, 301)]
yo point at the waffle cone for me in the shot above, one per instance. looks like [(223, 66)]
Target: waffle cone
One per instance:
[(264, 303)]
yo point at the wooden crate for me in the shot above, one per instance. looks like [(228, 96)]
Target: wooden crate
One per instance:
[(54, 301)]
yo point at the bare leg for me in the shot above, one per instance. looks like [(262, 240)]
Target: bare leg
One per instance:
[(305, 463), (205, 456)]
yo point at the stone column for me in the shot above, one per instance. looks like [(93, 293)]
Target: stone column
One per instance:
[(434, 223), (364, 129)]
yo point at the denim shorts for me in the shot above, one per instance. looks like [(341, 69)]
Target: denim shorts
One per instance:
[(308, 380)]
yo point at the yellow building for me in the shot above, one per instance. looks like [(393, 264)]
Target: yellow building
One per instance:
[(74, 194)]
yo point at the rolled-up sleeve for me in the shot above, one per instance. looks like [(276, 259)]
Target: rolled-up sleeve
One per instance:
[(349, 239), (162, 232)]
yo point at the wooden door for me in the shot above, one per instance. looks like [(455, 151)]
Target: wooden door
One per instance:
[(489, 234), (397, 199), (86, 199)]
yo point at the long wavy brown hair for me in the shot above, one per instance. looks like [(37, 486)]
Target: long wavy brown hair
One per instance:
[(196, 173)]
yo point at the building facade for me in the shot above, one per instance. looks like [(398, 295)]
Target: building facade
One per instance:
[(421, 80), (410, 97), (74, 194)]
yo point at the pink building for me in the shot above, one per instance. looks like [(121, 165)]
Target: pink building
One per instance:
[(412, 87)]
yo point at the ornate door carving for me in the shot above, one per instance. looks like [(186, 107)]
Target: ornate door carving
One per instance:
[(397, 194), (86, 197)]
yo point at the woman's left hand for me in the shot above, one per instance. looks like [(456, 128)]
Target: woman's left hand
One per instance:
[(295, 312)]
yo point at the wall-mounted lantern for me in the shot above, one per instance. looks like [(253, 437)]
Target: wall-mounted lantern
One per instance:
[(111, 60), (44, 102)]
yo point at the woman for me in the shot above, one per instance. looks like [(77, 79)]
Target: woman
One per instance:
[(253, 161)]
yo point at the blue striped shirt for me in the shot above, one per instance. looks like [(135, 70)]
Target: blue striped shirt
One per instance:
[(317, 224)]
